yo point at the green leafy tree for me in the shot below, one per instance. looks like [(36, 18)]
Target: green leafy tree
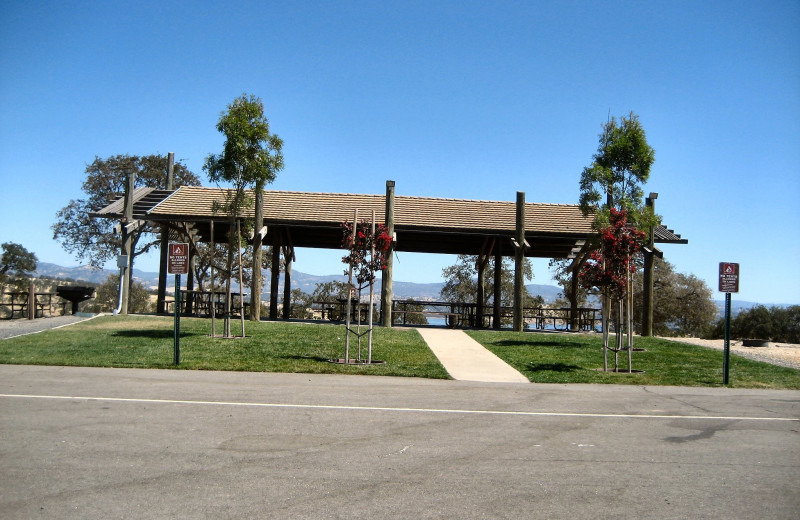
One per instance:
[(754, 323), (93, 240), (251, 158), (461, 282), (779, 324), (614, 182), (16, 264), (107, 296), (683, 303), (618, 172), (412, 317), (565, 272), (787, 320), (301, 304), (331, 292)]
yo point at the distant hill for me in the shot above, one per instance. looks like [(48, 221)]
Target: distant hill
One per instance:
[(307, 282), (84, 273), (738, 306), (304, 281)]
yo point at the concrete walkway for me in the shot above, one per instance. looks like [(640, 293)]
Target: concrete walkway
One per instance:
[(467, 360)]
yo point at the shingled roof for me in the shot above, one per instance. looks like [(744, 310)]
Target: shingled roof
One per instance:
[(422, 224)]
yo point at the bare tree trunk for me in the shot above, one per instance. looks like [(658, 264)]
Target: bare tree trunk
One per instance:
[(258, 252), (629, 324), (226, 328), (605, 309), (239, 252), (212, 302), (618, 331)]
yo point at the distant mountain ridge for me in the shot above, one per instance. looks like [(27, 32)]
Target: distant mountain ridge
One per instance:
[(307, 283), (304, 281)]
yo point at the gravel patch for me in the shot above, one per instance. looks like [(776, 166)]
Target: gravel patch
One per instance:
[(21, 327), (781, 354)]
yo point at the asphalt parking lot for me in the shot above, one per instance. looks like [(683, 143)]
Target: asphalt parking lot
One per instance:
[(126, 443)]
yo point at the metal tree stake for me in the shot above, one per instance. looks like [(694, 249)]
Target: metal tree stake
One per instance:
[(351, 287)]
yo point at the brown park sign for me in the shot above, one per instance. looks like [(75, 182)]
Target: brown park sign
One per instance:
[(178, 259), (728, 277)]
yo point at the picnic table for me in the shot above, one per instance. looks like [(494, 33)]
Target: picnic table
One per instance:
[(336, 310), (454, 313), (201, 303), (19, 304)]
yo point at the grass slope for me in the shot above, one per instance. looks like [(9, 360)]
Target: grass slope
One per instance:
[(576, 358), (147, 342)]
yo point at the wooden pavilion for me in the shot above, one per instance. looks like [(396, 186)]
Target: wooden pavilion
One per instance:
[(419, 224)]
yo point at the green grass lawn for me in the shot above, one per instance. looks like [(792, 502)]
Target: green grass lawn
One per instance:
[(576, 358), (147, 342)]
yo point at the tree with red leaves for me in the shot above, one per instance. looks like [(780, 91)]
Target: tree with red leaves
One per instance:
[(368, 245), (610, 271), (361, 257)]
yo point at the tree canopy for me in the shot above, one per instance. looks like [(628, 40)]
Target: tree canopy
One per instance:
[(774, 323), (107, 294), (618, 171), (461, 282), (683, 303), (92, 239), (15, 262), (251, 156)]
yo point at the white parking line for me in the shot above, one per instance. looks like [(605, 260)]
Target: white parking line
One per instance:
[(396, 409)]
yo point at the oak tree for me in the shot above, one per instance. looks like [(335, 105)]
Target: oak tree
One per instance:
[(16, 263), (92, 239)]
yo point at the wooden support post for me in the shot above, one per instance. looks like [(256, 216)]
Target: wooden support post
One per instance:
[(498, 298), (127, 240), (257, 281), (287, 282), (31, 301), (161, 307), (386, 274), (649, 260), (190, 281), (481, 268), (241, 283), (519, 257), (212, 299), (275, 271)]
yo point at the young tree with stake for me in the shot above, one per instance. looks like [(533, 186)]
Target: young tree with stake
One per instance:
[(251, 158)]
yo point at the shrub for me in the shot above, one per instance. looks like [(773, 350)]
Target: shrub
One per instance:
[(759, 322)]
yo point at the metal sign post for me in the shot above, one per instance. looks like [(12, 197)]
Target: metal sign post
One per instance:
[(178, 264), (177, 335), (728, 283)]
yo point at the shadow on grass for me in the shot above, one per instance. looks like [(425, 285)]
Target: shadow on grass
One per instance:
[(518, 343), (305, 358), (152, 334), (553, 367)]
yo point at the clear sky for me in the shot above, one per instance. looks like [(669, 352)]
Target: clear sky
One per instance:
[(460, 99)]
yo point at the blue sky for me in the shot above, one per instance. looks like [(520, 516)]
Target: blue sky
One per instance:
[(450, 99)]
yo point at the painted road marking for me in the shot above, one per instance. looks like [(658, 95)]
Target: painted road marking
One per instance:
[(395, 409)]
